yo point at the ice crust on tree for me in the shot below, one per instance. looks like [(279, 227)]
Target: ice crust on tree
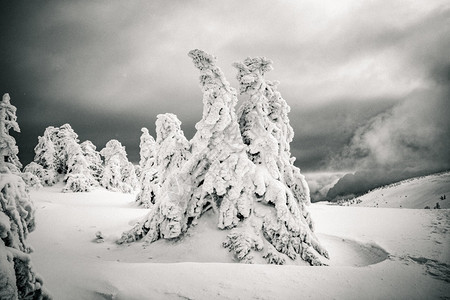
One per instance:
[(170, 152), (242, 169), (8, 147), (118, 173)]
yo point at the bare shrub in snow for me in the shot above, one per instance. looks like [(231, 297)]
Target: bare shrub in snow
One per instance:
[(251, 183)]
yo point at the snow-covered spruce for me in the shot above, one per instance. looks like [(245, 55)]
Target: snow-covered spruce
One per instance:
[(8, 147), (79, 176), (44, 164), (265, 128), (261, 210), (93, 159), (118, 173), (147, 150), (17, 277), (147, 172), (171, 150)]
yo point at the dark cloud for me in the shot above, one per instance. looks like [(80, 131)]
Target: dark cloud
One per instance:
[(108, 68)]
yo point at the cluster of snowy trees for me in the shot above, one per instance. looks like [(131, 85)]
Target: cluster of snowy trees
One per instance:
[(18, 279), (238, 165), (59, 154)]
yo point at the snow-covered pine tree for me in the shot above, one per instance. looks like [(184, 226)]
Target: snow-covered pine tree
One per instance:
[(116, 163), (265, 128), (8, 148), (79, 176), (172, 146), (93, 158), (172, 151), (217, 173), (18, 280), (61, 138), (147, 171), (44, 166), (147, 149)]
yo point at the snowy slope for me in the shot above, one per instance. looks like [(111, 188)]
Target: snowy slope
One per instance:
[(412, 193), (391, 253)]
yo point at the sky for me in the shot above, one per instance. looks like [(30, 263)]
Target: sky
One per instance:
[(367, 81)]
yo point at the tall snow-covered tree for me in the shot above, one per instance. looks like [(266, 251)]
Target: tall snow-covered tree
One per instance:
[(171, 151), (93, 159), (265, 128), (8, 147), (117, 173), (17, 277)]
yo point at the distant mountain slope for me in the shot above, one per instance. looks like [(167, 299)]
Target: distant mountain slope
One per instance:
[(411, 193)]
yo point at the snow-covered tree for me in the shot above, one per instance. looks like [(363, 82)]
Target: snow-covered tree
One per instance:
[(171, 151), (147, 150), (44, 164), (116, 168), (147, 171), (215, 176), (265, 128), (242, 169), (62, 137), (8, 147), (18, 280), (79, 176), (93, 159)]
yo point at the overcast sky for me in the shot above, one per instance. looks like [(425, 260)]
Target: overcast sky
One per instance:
[(367, 81)]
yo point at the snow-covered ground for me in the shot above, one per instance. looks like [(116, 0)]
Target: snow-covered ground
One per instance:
[(412, 193), (381, 253)]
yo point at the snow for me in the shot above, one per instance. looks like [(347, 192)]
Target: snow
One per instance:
[(412, 193), (375, 253)]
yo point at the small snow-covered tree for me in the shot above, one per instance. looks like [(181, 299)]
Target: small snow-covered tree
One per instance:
[(171, 151), (62, 137), (148, 178), (116, 168), (147, 150), (79, 176), (44, 164), (265, 128), (8, 148), (93, 159), (18, 280)]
